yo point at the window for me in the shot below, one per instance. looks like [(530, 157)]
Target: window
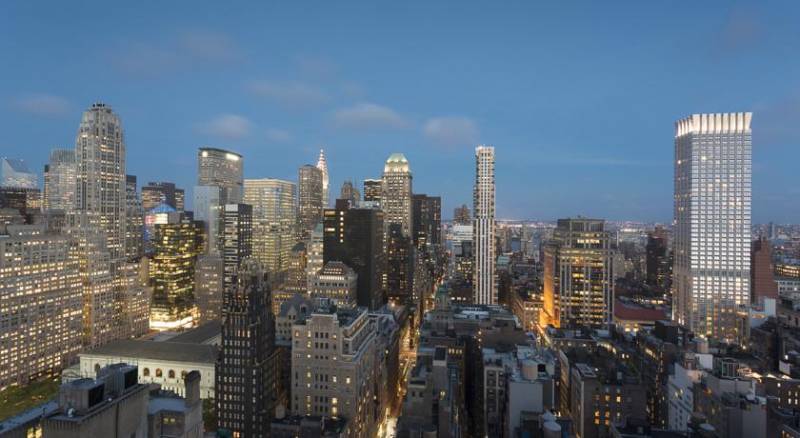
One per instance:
[(146, 372), (159, 373), (171, 374)]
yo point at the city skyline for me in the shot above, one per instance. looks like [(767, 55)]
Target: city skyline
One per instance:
[(279, 112)]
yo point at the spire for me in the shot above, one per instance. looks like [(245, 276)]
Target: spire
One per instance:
[(321, 163)]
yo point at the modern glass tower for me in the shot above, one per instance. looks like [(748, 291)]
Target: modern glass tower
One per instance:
[(274, 220), (484, 227), (221, 168), (59, 184), (712, 223), (396, 197), (310, 197)]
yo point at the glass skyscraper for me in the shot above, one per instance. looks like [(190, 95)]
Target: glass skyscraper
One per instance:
[(712, 223), (274, 218)]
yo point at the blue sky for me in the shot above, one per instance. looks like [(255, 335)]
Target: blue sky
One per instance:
[(579, 98)]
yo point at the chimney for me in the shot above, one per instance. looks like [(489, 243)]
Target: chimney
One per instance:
[(192, 384)]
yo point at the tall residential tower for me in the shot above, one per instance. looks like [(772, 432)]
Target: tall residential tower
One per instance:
[(484, 227), (396, 196)]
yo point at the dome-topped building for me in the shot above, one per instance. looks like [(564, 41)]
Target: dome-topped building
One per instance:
[(396, 196)]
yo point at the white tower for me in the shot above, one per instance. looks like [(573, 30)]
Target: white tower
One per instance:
[(322, 165), (484, 284)]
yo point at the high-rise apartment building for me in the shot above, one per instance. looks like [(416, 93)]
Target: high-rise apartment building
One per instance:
[(578, 275), (223, 169), (462, 216), (485, 283), (354, 236), (396, 195), (373, 189), (310, 198), (156, 193), (427, 220), (101, 179), (712, 223), (322, 165), (335, 282), (237, 242), (172, 274), (334, 371), (15, 173), (246, 382), (762, 277), (41, 304), (274, 220), (314, 253), (59, 181)]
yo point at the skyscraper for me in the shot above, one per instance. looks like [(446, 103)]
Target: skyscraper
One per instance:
[(399, 266), (656, 260), (310, 198), (485, 284), (237, 241), (208, 288), (59, 184), (223, 169), (396, 193), (100, 190), (355, 236), (246, 382), (712, 223), (172, 274), (578, 275), (322, 165), (427, 220), (134, 220), (335, 282), (15, 173), (349, 192), (274, 221), (373, 189)]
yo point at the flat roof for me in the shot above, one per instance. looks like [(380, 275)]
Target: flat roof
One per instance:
[(166, 351)]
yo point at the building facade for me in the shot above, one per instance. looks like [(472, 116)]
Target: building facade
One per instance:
[(310, 198), (59, 182), (335, 282), (485, 282), (712, 222), (396, 201), (322, 165), (274, 220), (373, 189)]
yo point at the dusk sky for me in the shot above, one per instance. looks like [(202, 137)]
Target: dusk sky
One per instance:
[(579, 98)]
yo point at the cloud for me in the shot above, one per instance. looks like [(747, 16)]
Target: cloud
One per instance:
[(186, 50), (368, 116), (46, 105), (315, 66), (293, 94), (278, 135), (228, 126), (451, 131), (741, 30)]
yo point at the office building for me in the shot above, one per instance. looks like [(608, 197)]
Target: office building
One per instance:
[(315, 253), (134, 220), (712, 223), (172, 274), (274, 220), (310, 198), (399, 266), (461, 215), (578, 275), (223, 169), (335, 282), (237, 242), (427, 220), (485, 283), (322, 165), (101, 179), (208, 208), (373, 190), (15, 173), (41, 304), (246, 381), (170, 415), (354, 236), (333, 367), (762, 278), (208, 287), (59, 181), (396, 195), (157, 193), (25, 202)]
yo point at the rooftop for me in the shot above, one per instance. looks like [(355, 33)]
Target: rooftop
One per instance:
[(203, 334), (166, 351)]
